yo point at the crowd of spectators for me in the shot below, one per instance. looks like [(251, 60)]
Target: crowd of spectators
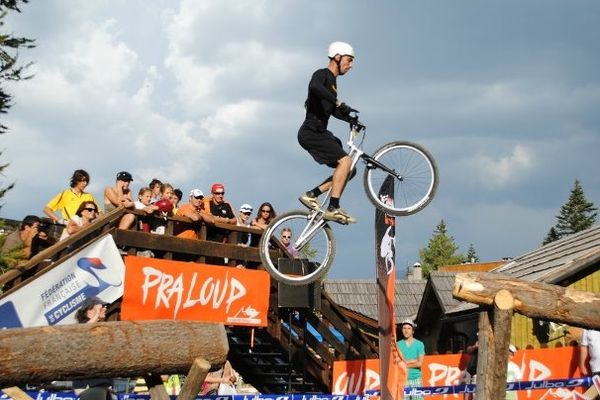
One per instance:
[(74, 208)]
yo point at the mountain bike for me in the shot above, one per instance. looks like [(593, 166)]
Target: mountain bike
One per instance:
[(415, 180)]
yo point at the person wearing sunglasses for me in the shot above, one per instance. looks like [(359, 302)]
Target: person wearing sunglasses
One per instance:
[(218, 207), (264, 216), (194, 210), (286, 240), (84, 216)]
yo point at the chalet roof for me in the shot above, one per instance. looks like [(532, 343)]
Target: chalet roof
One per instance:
[(557, 260), (442, 283), (473, 267), (360, 296), (553, 262)]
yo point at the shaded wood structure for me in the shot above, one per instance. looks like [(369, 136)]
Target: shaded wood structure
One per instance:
[(283, 357), (502, 295)]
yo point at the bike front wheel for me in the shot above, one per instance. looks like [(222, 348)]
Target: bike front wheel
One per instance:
[(310, 253), (414, 175)]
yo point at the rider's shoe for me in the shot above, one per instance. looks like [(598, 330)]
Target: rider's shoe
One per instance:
[(309, 200), (338, 215)]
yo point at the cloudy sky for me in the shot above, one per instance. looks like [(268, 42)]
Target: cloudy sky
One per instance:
[(506, 96)]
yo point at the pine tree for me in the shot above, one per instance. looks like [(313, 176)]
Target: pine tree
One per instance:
[(471, 256), (576, 215), (551, 236), (10, 70), (441, 250)]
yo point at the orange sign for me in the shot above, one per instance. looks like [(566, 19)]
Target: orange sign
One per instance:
[(353, 377), (164, 289)]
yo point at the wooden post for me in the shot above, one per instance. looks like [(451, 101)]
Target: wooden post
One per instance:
[(494, 339), (16, 393), (194, 379)]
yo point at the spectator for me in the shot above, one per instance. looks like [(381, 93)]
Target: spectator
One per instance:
[(226, 375), (470, 374), (286, 240), (120, 195), (264, 216), (243, 219), (194, 210), (513, 372), (589, 353), (92, 310), (156, 186), (70, 199), (22, 238), (84, 216), (41, 241), (413, 351), (144, 203), (178, 196), (164, 207), (217, 206)]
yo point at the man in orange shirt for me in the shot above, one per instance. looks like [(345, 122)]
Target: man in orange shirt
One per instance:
[(194, 210)]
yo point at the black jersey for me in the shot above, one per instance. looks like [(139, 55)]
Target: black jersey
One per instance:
[(321, 101)]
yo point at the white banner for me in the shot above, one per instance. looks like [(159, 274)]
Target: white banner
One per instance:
[(52, 299)]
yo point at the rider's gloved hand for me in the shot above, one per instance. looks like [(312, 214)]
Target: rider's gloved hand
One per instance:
[(345, 109)]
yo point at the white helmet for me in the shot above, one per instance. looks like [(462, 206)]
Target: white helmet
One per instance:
[(341, 48)]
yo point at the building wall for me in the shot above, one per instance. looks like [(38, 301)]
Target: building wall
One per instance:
[(522, 334)]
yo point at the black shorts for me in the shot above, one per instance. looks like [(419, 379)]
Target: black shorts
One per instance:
[(323, 146)]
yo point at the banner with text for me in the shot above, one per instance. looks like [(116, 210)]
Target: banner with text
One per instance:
[(164, 289), (448, 369), (52, 299)]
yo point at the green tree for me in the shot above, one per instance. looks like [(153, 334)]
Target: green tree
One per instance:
[(551, 236), (576, 215), (441, 250), (10, 69), (471, 256)]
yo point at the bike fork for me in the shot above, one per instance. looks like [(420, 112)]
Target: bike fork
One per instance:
[(313, 226)]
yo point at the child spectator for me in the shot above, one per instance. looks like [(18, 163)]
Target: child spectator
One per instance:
[(155, 185), (165, 207), (144, 203), (68, 201)]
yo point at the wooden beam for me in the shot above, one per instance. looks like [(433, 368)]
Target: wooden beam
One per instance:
[(124, 348), (532, 299), (494, 339), (15, 393), (194, 379)]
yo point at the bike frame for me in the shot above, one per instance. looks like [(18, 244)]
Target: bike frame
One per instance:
[(315, 217)]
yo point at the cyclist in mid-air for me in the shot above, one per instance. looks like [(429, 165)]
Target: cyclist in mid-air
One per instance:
[(314, 137)]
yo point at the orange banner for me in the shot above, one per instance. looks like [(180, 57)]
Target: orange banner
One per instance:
[(353, 377), (163, 289)]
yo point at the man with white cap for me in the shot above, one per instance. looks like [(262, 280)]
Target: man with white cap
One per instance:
[(413, 351), (194, 210)]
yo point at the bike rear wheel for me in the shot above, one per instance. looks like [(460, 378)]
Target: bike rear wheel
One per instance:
[(313, 240), (416, 181)]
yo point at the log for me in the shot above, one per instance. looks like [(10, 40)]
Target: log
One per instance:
[(107, 349), (532, 299), (194, 379), (494, 338)]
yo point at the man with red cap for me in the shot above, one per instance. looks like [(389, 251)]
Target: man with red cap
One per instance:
[(222, 212)]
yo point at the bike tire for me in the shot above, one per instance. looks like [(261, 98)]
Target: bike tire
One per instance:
[(419, 182), (318, 250)]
